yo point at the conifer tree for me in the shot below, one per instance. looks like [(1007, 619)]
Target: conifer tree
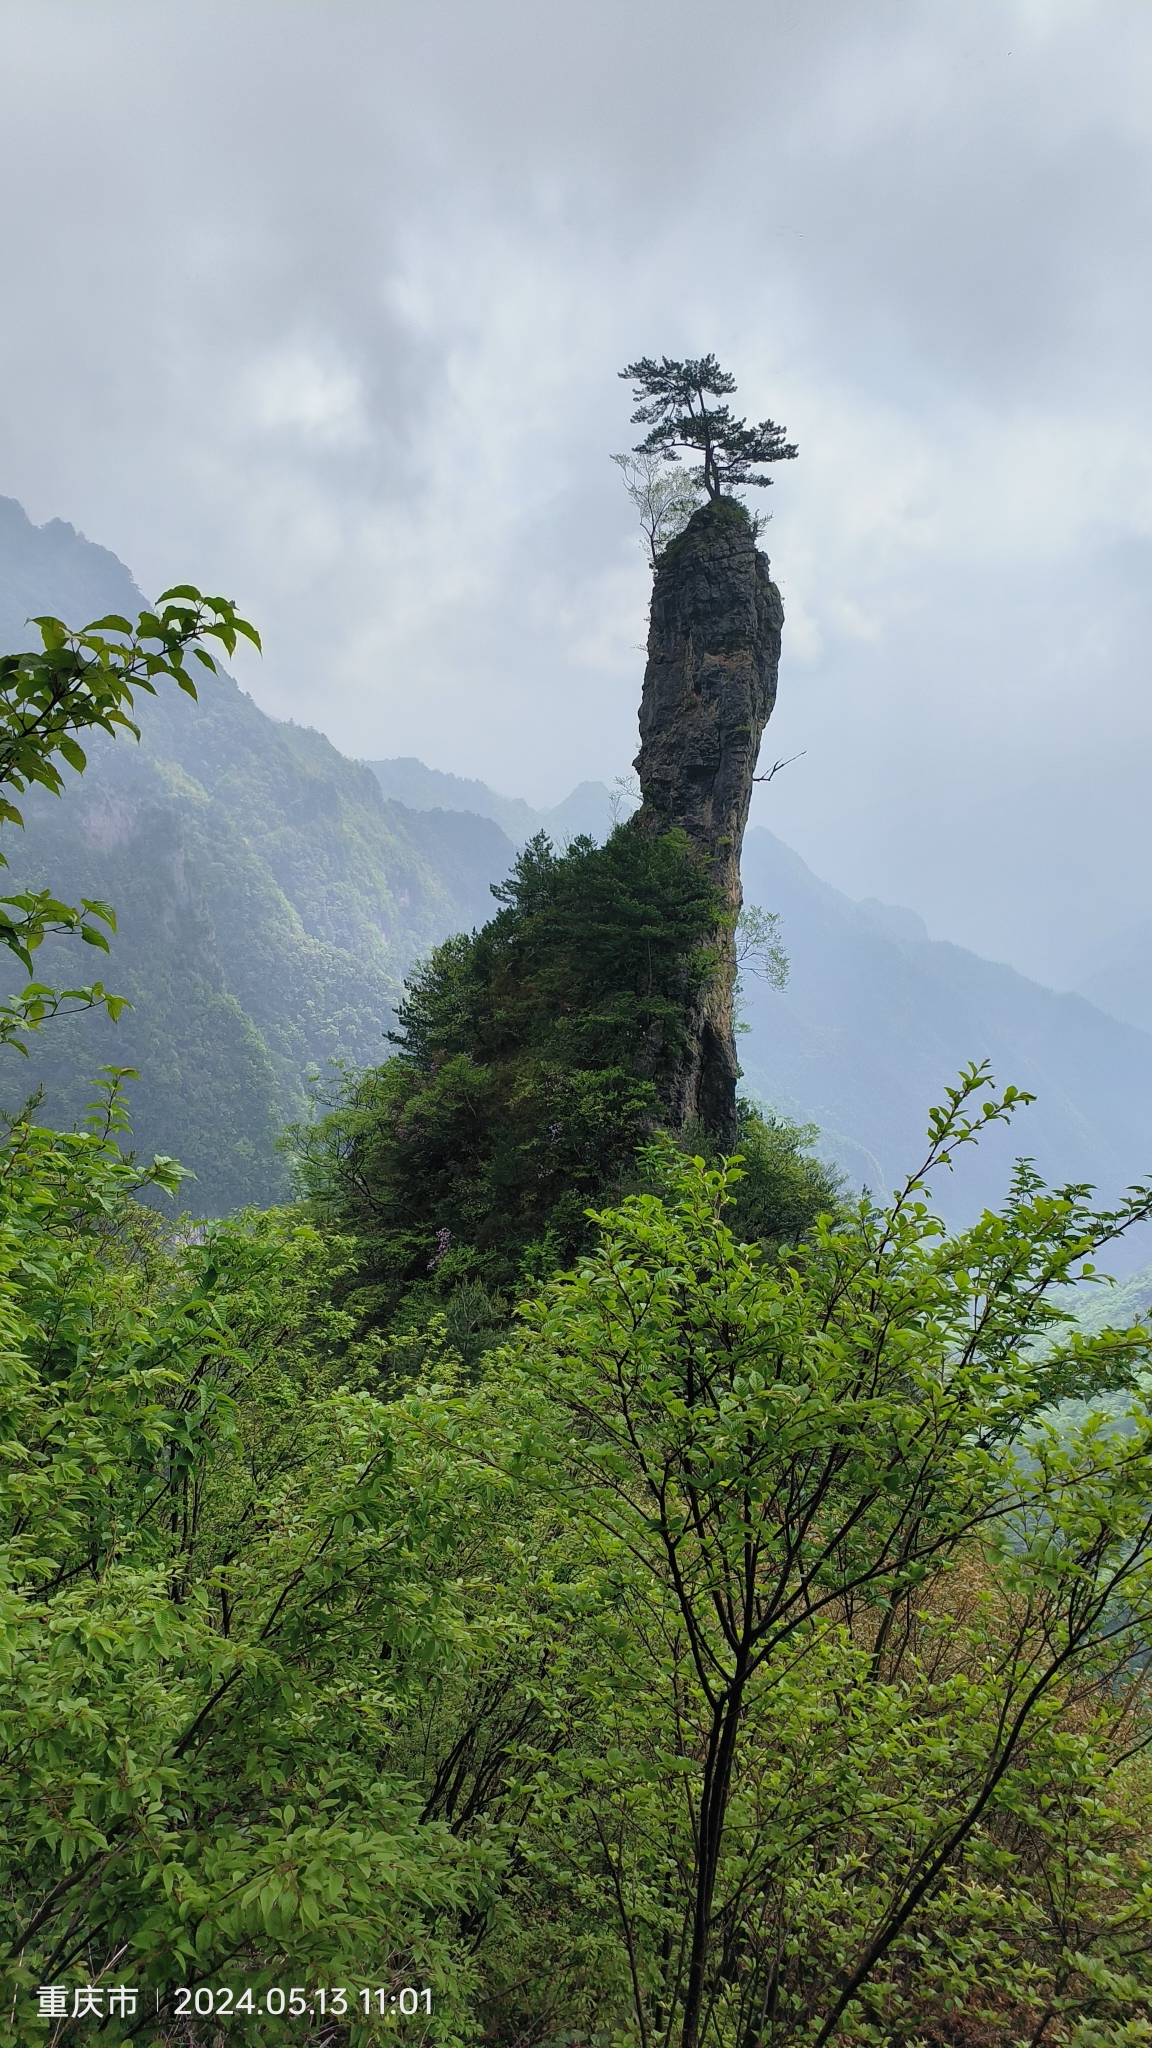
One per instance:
[(674, 404)]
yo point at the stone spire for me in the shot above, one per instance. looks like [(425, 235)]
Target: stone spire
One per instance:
[(709, 689)]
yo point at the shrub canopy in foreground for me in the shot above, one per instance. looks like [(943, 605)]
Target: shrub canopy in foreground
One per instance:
[(747, 1658)]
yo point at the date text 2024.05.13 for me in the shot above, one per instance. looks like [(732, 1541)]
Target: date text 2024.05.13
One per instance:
[(96, 2001)]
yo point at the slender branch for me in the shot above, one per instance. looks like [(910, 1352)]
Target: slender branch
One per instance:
[(778, 765)]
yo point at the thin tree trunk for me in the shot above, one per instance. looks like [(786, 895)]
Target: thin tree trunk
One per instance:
[(713, 1809)]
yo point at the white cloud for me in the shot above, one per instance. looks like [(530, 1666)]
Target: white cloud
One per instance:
[(333, 323), (292, 390)]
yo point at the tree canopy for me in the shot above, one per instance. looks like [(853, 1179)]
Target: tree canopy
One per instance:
[(531, 1058), (674, 405), (754, 1654), (664, 497)]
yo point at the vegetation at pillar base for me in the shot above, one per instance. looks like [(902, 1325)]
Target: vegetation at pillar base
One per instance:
[(674, 405), (532, 1061)]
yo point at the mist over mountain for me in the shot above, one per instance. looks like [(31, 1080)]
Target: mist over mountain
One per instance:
[(53, 569), (876, 1019), (272, 894), (270, 899), (1117, 974), (589, 808)]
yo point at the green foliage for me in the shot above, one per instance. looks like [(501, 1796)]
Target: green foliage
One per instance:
[(531, 1060), (663, 496), (80, 682), (743, 1660), (782, 1187), (860, 1747), (590, 962), (674, 404), (83, 681), (759, 948), (218, 1595)]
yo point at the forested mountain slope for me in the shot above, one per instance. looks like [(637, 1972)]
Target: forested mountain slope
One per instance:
[(270, 899)]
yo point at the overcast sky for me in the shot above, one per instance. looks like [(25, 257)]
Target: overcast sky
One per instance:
[(323, 304)]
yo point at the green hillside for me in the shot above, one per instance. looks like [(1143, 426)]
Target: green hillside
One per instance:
[(270, 900)]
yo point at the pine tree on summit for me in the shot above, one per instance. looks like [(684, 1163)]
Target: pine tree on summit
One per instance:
[(674, 405)]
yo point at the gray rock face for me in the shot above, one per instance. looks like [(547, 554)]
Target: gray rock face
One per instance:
[(709, 689)]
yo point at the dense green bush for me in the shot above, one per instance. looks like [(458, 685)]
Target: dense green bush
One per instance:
[(858, 1745), (532, 1058), (739, 1661), (219, 1593), (782, 1185)]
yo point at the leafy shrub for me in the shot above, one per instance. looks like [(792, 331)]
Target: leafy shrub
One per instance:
[(532, 1058), (210, 1552)]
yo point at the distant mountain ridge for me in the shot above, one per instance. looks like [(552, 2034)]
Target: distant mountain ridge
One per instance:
[(272, 894), (589, 808), (53, 569), (270, 898), (270, 901), (877, 1018), (1117, 975)]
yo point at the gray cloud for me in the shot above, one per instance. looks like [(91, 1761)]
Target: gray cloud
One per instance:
[(323, 304)]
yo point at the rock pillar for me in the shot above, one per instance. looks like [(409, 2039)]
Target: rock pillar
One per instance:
[(709, 689)]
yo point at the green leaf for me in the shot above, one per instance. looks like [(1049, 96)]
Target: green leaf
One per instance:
[(53, 632)]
